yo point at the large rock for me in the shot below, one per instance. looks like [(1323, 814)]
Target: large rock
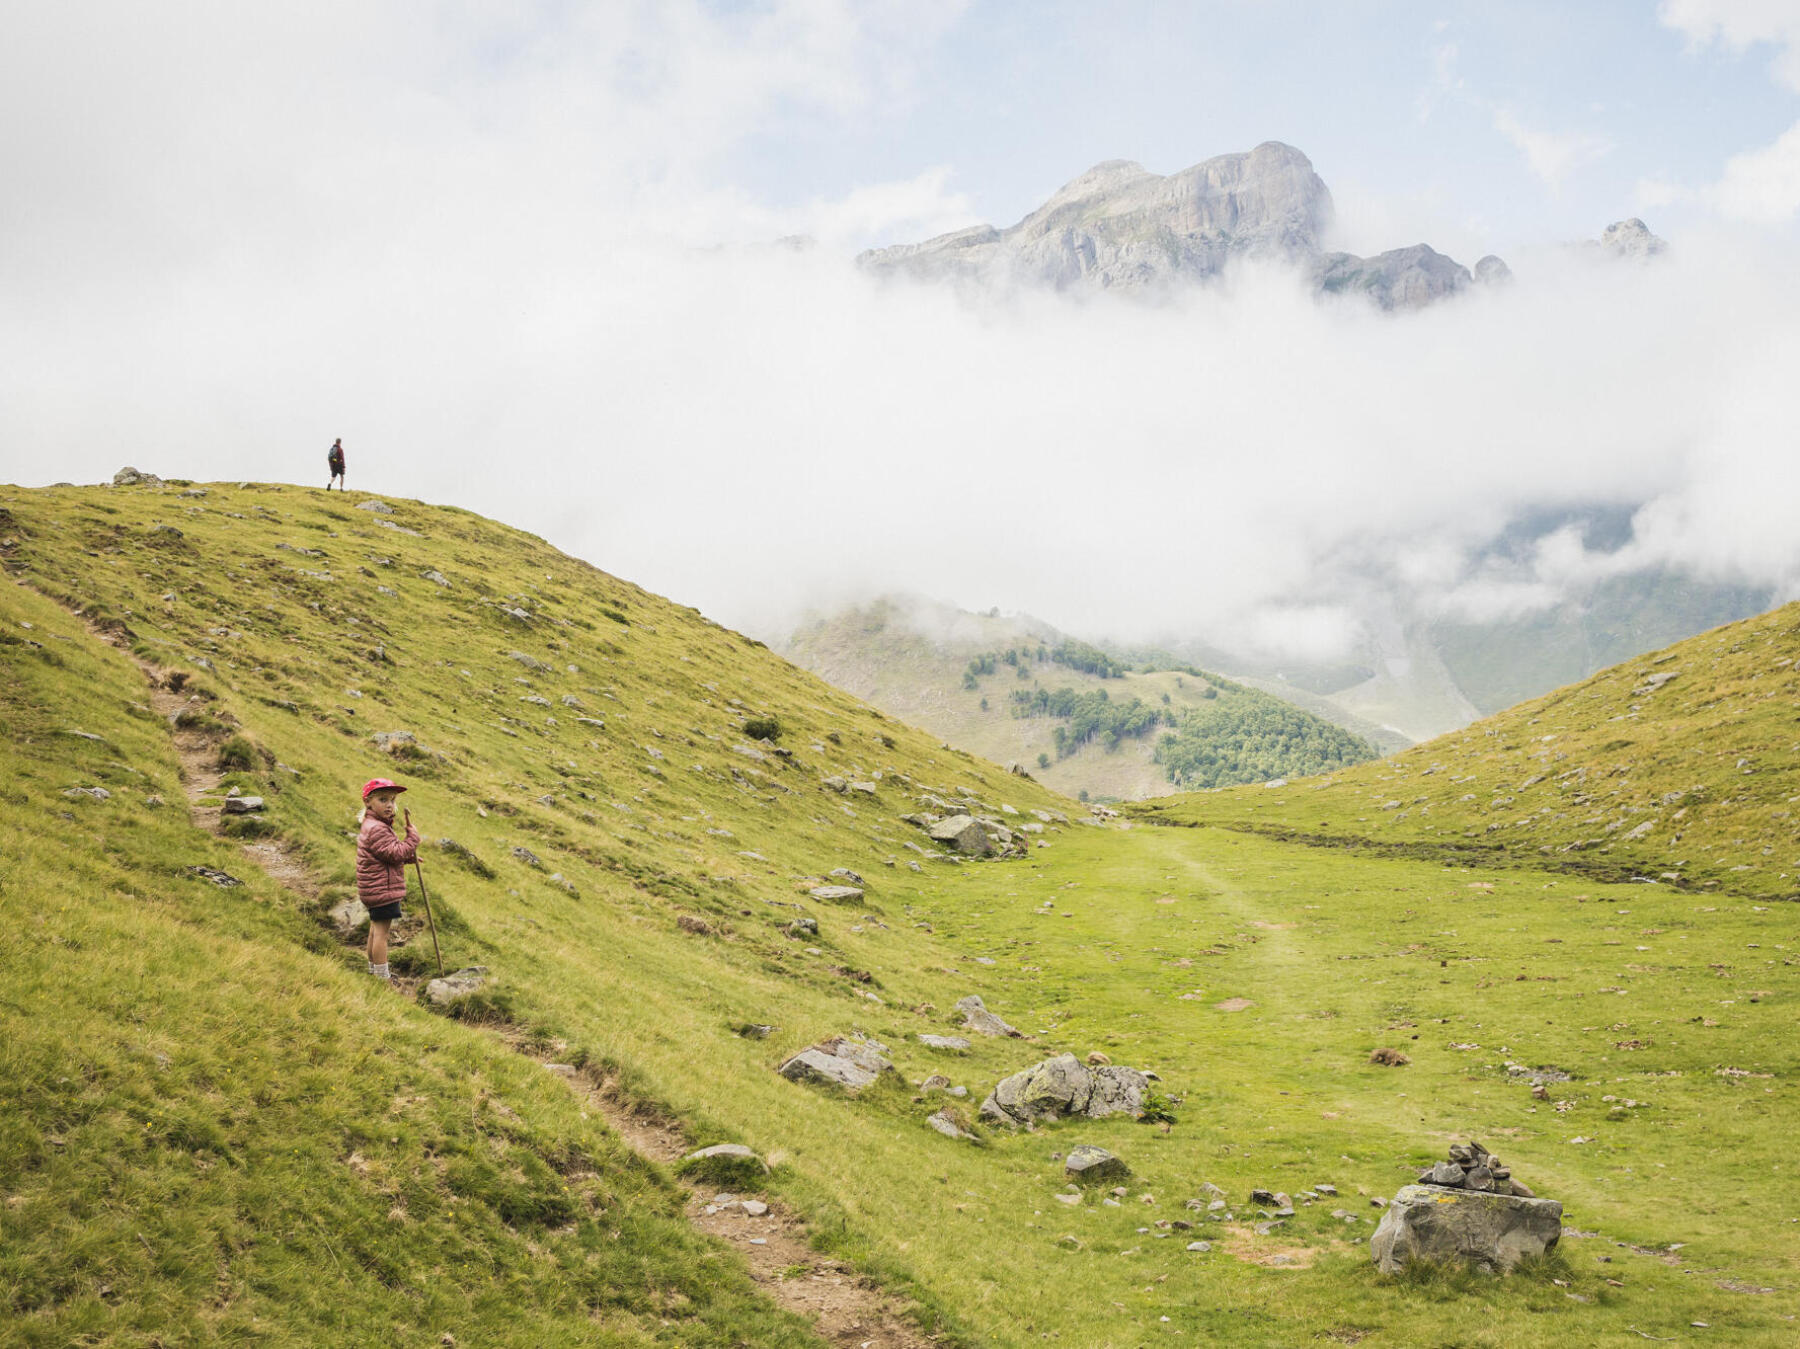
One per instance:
[(840, 1061), (1492, 1231), (243, 805), (836, 894), (448, 989), (130, 477), (1065, 1086), (965, 834), (977, 1018), (1089, 1165)]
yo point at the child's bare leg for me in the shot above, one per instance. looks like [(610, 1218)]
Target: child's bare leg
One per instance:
[(378, 937)]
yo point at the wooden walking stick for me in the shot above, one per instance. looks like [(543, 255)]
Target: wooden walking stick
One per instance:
[(425, 895)]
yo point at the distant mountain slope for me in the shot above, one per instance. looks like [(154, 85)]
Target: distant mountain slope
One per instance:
[(996, 686), (1119, 226), (1681, 766)]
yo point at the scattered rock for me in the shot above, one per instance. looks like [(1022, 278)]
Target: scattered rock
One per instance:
[(448, 989), (1064, 1086), (836, 894), (243, 805), (528, 857), (437, 578), (755, 1030), (379, 507), (964, 834), (1201, 1246), (347, 917), (1090, 1165), (130, 477), (95, 793), (803, 927), (1492, 1231), (840, 1061), (946, 1124), (846, 875), (944, 1042), (390, 741), (977, 1018), (223, 879)]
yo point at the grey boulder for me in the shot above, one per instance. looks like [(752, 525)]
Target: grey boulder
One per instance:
[(1089, 1165), (977, 1018), (943, 1042), (448, 989), (243, 805), (1064, 1086), (964, 834), (1491, 1231), (836, 894), (840, 1061)]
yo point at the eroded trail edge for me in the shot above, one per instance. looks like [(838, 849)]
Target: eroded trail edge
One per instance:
[(847, 1310)]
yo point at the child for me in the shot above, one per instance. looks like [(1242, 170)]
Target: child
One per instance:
[(381, 858)]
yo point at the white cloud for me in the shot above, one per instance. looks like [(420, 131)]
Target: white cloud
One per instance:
[(1651, 193), (1762, 186), (1551, 155), (1740, 24), (472, 254)]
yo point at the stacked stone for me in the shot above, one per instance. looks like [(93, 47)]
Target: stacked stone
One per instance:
[(1473, 1167)]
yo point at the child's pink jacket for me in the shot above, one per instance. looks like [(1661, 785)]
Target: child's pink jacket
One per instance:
[(381, 862)]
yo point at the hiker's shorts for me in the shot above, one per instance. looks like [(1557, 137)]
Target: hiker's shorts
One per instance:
[(385, 913)]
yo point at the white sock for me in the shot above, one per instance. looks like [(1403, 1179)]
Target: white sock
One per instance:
[(379, 971)]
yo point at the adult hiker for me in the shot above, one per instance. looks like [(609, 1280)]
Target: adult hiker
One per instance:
[(381, 858), (335, 458)]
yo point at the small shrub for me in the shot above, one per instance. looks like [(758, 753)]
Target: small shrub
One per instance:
[(1390, 1058), (1157, 1109), (763, 728), (1043, 761), (237, 753)]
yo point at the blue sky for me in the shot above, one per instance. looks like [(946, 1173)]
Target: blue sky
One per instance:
[(1417, 115)]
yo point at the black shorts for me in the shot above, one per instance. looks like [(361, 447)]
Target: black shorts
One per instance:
[(385, 913)]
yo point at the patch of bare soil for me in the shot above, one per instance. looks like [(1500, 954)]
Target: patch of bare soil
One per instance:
[(847, 1310)]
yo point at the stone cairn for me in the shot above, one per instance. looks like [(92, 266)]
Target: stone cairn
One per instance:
[(1473, 1167)]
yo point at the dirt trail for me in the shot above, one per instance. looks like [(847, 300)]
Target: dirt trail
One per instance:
[(848, 1311)]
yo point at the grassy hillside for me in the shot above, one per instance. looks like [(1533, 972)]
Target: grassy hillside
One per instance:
[(1679, 767), (948, 670), (217, 1128)]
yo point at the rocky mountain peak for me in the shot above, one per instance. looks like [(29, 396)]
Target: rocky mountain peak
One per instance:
[(1632, 239)]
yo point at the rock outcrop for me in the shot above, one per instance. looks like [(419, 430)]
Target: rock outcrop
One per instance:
[(1492, 1231), (842, 1061), (1120, 227), (1090, 1165), (1064, 1086), (1632, 241), (977, 1018), (448, 989)]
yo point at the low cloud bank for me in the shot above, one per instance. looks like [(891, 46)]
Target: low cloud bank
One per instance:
[(481, 296)]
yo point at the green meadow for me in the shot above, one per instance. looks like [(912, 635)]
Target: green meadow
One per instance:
[(218, 1129)]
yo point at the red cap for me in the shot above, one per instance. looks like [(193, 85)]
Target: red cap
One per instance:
[(376, 784)]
